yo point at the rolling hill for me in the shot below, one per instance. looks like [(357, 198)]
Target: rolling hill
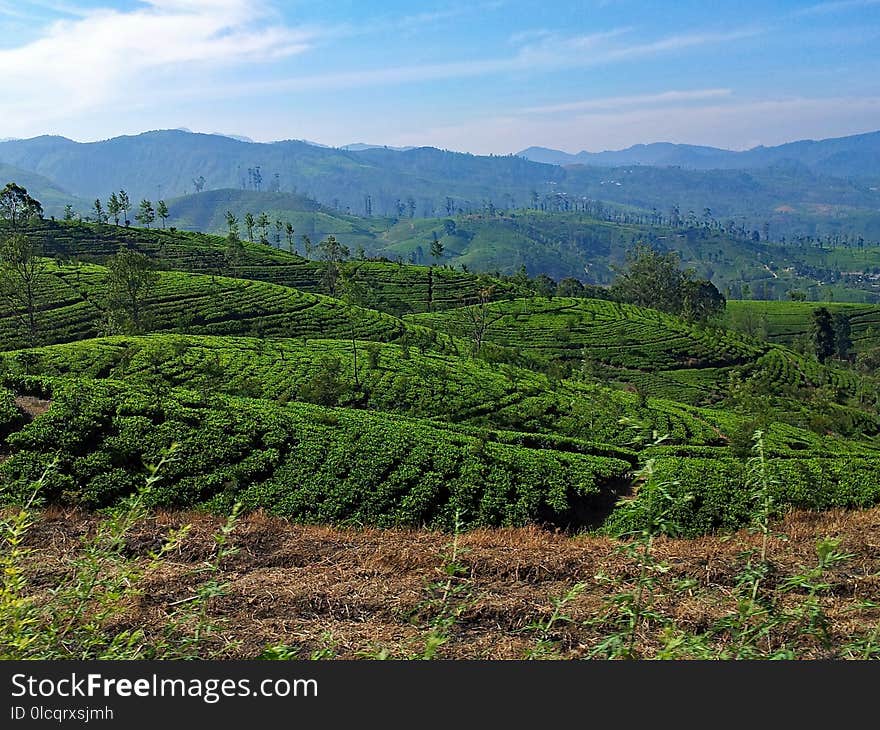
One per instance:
[(395, 287)]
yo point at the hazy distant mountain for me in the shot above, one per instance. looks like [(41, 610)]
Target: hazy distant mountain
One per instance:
[(857, 156), (167, 164), (803, 187), (361, 146), (47, 192), (236, 137), (660, 154)]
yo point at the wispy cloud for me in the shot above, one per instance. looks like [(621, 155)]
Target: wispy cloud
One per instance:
[(544, 52), (836, 6), (86, 62), (638, 100)]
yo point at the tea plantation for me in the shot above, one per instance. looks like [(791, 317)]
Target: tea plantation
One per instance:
[(522, 410), (397, 287)]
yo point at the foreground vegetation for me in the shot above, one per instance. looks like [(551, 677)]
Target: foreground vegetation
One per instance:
[(185, 585)]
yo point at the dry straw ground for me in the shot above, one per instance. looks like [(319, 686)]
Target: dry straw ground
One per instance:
[(352, 593)]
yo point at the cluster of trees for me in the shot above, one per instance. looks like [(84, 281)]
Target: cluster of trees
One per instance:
[(263, 225), (23, 269), (542, 285), (254, 180), (117, 209), (655, 279)]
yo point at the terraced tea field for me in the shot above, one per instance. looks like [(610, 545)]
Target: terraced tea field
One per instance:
[(306, 406), (786, 322), (396, 287)]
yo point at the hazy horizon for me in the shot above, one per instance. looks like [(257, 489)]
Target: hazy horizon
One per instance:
[(244, 138)]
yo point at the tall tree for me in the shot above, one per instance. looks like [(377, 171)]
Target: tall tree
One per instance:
[(114, 208), (822, 334), (131, 276), (162, 211), (100, 215), (701, 300), (124, 205), (231, 225), (234, 254), (477, 316), (436, 249), (354, 294), (842, 335), (249, 223), (146, 214), (17, 206), (288, 229), (331, 253), (263, 224), (649, 279), (234, 247), (21, 273)]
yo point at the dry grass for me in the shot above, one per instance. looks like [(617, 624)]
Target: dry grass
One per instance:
[(301, 585)]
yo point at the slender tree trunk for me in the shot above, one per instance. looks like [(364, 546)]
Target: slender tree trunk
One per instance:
[(354, 351)]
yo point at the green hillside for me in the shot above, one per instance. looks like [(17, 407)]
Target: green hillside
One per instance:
[(559, 244), (660, 353), (305, 462), (418, 381), (789, 322), (206, 211), (665, 357), (394, 287), (71, 305), (304, 405), (52, 196)]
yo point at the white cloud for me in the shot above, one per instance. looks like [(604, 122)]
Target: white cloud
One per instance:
[(615, 102), (84, 64)]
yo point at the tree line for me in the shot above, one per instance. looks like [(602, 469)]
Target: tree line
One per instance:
[(131, 275), (117, 208)]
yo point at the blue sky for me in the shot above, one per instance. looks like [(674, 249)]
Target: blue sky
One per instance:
[(484, 76)]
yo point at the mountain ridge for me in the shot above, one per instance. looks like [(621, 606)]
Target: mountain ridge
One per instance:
[(834, 155)]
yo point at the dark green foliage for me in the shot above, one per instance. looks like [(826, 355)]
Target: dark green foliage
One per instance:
[(399, 288), (822, 334), (719, 497), (327, 410), (17, 207), (305, 462), (22, 276), (842, 335), (131, 277), (656, 280)]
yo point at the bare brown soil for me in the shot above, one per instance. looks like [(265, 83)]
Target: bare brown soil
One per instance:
[(353, 591), (31, 406)]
